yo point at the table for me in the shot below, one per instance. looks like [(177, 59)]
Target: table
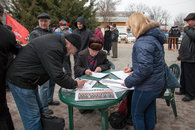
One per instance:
[(69, 99)]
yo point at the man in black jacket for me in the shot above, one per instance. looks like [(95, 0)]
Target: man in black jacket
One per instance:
[(39, 61), (114, 37), (84, 32), (187, 57), (7, 45)]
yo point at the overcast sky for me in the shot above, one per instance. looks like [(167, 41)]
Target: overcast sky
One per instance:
[(174, 7)]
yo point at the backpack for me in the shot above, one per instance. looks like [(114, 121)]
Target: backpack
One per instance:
[(117, 120)]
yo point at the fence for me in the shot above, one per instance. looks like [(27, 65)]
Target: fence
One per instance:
[(174, 43)]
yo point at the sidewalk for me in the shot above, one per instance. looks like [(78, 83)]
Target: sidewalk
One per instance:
[(165, 116)]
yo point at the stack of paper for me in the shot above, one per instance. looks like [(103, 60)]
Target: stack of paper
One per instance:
[(99, 75), (120, 74)]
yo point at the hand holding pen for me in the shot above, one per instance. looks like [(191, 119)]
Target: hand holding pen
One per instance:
[(88, 71), (128, 70)]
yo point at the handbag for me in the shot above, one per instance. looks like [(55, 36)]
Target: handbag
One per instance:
[(52, 122), (170, 79)]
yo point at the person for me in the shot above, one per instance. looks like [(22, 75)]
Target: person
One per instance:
[(8, 46), (54, 27), (47, 89), (64, 30), (98, 34), (114, 37), (176, 35), (148, 76), (84, 32), (92, 59), (107, 40), (37, 62), (43, 27), (187, 57), (171, 41)]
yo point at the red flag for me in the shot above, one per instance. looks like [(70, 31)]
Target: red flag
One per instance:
[(20, 31)]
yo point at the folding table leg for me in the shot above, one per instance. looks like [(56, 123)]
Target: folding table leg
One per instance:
[(71, 122), (104, 114)]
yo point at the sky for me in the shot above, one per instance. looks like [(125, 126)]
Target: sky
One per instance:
[(174, 7)]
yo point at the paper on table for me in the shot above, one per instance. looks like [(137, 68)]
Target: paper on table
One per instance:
[(120, 74), (89, 84), (99, 75), (115, 85), (94, 94)]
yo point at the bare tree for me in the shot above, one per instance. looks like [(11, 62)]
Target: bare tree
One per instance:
[(140, 8), (159, 15), (106, 9)]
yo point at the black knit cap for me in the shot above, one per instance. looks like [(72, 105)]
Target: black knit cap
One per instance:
[(43, 15), (190, 16), (74, 39)]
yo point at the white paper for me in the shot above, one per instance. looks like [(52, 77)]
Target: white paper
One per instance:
[(89, 84), (99, 75), (94, 94), (115, 85), (120, 74)]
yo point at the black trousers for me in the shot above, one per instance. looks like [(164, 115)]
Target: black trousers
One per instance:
[(187, 79)]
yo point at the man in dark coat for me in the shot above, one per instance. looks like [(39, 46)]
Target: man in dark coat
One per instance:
[(187, 57), (84, 32), (47, 89), (7, 45), (37, 62), (107, 40), (114, 37)]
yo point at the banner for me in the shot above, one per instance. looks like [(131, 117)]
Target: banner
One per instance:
[(20, 31)]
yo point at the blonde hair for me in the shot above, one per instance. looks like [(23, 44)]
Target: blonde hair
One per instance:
[(137, 22)]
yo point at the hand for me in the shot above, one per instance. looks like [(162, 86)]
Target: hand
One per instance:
[(98, 69), (80, 83), (123, 84), (130, 73), (127, 70), (178, 58), (88, 72), (187, 24)]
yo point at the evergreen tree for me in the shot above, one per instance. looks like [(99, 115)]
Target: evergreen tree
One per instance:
[(26, 11)]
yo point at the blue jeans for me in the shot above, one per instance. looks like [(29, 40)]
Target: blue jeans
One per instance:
[(28, 103), (46, 93), (143, 108)]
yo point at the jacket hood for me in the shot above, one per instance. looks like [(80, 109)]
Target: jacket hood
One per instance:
[(152, 29), (82, 20)]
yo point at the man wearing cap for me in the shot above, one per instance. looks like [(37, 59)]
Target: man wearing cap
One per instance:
[(47, 89), (39, 61), (187, 57), (114, 37), (43, 28)]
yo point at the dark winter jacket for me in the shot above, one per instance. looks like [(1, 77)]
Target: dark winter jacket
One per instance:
[(82, 62), (8, 46), (39, 61), (148, 60), (115, 35), (85, 33), (39, 32), (107, 40), (187, 48)]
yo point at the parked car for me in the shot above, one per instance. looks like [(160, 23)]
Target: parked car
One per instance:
[(123, 37), (131, 38)]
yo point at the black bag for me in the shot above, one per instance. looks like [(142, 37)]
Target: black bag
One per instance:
[(52, 123), (117, 120)]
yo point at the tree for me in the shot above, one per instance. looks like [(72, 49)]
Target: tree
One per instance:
[(106, 9), (159, 15), (140, 8), (26, 11), (179, 21)]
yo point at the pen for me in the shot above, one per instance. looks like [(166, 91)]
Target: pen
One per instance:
[(128, 65)]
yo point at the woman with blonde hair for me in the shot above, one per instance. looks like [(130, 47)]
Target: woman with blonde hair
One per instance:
[(147, 76)]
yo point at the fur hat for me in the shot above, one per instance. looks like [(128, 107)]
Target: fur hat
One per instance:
[(43, 15), (190, 16), (74, 39)]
